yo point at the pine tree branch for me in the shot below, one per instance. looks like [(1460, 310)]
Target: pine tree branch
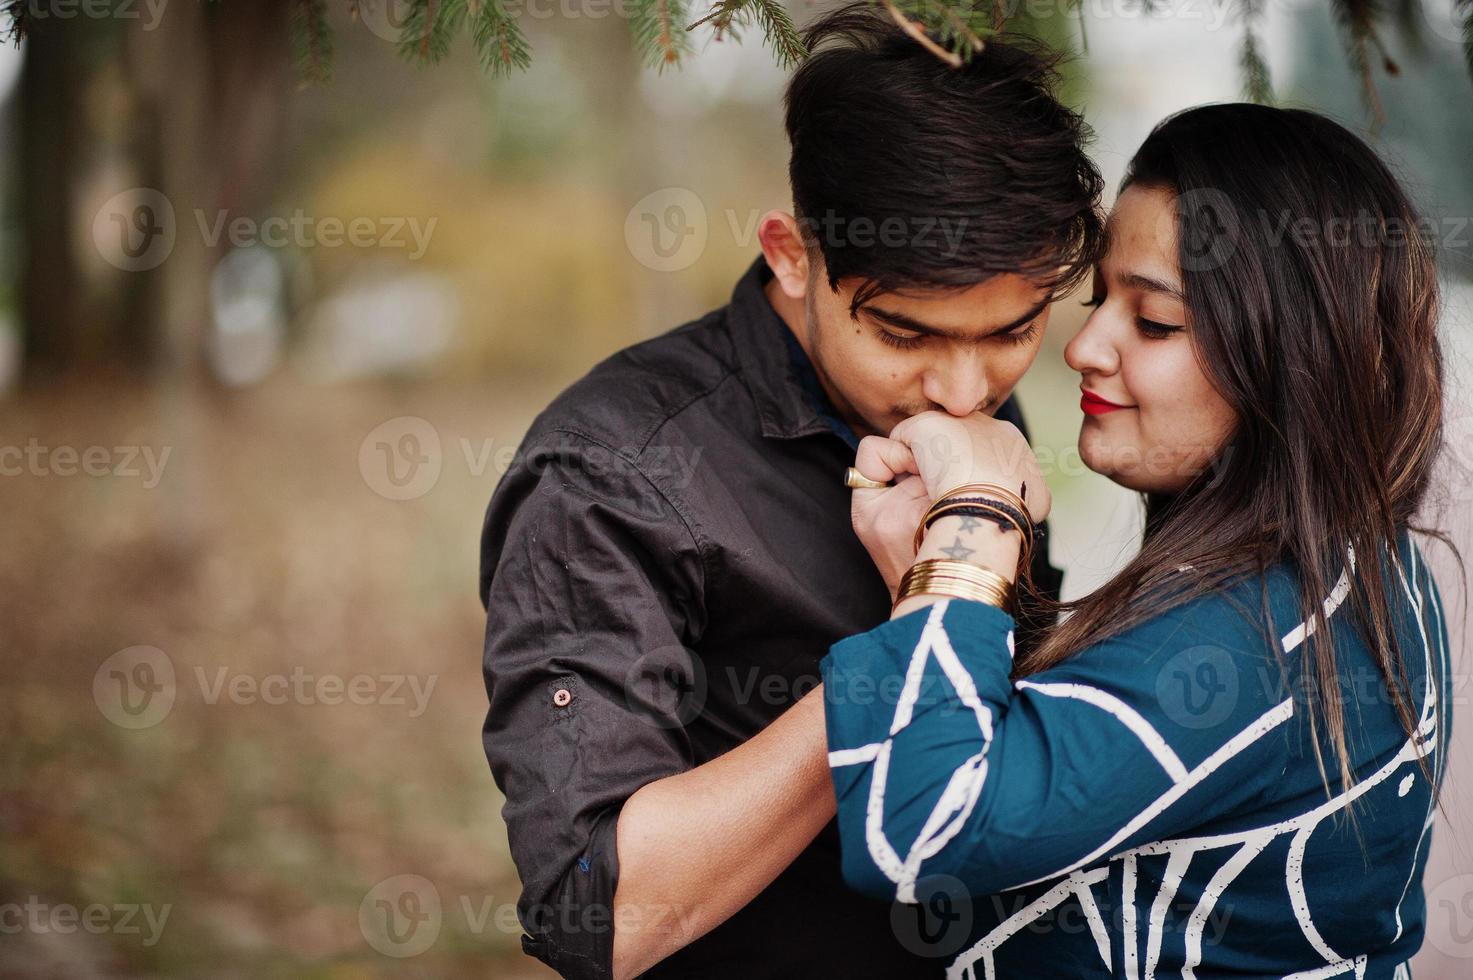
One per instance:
[(782, 37), (429, 27), (1465, 7), (957, 31), (918, 33), (498, 39), (726, 16), (655, 27), (1257, 86), (1357, 21), (311, 41), (954, 30), (958, 28), (17, 14)]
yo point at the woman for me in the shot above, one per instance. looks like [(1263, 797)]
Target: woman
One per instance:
[(1225, 760)]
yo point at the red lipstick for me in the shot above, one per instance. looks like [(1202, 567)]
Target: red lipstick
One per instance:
[(1093, 404)]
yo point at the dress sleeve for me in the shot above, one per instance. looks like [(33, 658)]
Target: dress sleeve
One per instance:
[(942, 765)]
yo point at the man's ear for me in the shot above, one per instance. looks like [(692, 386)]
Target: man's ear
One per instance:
[(787, 256)]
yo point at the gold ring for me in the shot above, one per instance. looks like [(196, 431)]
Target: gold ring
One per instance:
[(855, 480)]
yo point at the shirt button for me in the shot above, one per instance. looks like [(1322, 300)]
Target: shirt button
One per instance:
[(562, 697)]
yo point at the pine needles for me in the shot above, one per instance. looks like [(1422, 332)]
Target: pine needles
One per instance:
[(728, 17), (953, 30), (1257, 87)]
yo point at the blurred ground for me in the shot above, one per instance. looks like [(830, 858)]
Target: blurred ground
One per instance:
[(262, 551)]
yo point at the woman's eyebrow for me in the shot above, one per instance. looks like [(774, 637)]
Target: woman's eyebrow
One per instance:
[(1148, 284)]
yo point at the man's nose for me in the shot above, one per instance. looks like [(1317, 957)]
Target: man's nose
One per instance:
[(959, 387)]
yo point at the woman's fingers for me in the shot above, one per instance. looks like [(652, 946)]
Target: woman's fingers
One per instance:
[(905, 431), (912, 488), (883, 459), (948, 451)]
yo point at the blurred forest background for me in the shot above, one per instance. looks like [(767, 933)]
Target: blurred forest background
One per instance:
[(265, 350)]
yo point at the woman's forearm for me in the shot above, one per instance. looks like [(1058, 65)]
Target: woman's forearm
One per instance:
[(969, 539)]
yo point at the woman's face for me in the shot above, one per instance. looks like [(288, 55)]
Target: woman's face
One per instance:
[(1152, 419)]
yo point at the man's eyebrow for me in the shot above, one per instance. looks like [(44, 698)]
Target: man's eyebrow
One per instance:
[(904, 322), (1150, 285)]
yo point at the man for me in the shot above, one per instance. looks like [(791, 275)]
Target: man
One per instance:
[(672, 554)]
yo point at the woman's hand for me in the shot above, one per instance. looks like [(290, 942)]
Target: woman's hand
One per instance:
[(927, 455), (886, 520), (947, 451)]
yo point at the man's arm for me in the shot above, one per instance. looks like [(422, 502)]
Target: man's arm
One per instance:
[(696, 847)]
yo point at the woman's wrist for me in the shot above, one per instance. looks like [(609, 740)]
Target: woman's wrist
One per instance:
[(969, 539)]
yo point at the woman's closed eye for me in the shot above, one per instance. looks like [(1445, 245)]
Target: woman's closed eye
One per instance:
[(1155, 330)]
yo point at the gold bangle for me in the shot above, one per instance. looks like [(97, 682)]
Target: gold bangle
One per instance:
[(957, 579), (956, 589)]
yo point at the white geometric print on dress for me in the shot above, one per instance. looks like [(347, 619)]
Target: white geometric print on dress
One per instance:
[(1075, 880)]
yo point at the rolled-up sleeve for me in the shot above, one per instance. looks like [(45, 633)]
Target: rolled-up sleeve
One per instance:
[(592, 580)]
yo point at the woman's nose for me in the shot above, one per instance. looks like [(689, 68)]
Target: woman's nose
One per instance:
[(1092, 351)]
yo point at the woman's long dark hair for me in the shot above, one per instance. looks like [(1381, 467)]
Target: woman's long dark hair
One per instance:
[(1312, 301)]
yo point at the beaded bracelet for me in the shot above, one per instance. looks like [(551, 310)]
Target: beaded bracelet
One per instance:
[(1016, 519), (993, 510)]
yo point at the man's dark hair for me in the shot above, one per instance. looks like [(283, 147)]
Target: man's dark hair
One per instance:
[(909, 173)]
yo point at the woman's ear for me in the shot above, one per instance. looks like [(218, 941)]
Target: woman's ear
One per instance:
[(785, 251)]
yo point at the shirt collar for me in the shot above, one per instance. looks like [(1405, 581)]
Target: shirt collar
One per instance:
[(790, 401)]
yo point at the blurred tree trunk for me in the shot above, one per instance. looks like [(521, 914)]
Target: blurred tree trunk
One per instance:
[(211, 84), (51, 143), (204, 120)]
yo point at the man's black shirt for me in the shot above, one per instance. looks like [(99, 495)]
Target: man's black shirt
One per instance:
[(663, 566)]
